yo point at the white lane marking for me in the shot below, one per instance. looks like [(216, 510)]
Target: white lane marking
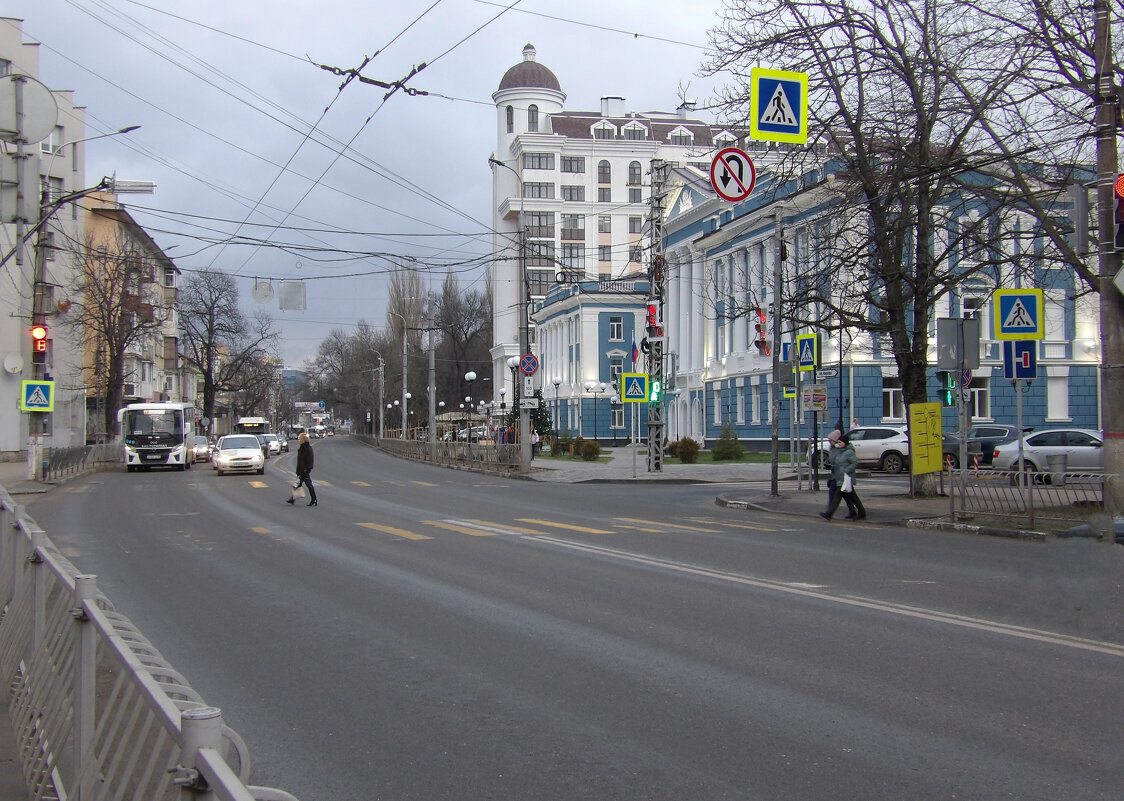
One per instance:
[(797, 588)]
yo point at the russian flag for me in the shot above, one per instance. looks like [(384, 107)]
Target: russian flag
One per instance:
[(635, 353)]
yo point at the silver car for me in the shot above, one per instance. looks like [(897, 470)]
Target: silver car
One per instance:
[(884, 447), (239, 452), (1082, 447)]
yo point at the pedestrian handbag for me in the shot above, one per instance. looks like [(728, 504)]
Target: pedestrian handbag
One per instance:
[(298, 491), (848, 485)]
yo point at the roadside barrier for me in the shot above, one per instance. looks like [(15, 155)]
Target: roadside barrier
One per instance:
[(1061, 497), (97, 712)]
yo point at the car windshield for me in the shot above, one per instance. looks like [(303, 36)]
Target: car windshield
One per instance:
[(200, 440), (230, 443)]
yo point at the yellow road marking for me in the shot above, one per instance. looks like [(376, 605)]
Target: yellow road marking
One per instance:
[(733, 525), (397, 532), (259, 530), (258, 484), (360, 483), (426, 484), (562, 525), (640, 528), (662, 524), (472, 532)]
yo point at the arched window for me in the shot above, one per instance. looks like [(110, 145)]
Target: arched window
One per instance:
[(635, 174), (532, 118), (510, 119), (604, 172)]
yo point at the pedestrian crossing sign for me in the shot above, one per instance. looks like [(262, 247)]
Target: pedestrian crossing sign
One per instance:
[(808, 351), (634, 387), (1019, 314), (779, 111), (37, 396)]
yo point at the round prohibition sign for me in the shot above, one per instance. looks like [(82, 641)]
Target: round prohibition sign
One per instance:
[(732, 174), (529, 364)]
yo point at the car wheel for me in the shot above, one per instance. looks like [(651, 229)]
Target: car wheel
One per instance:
[(261, 471), (219, 471), (825, 461), (130, 468), (892, 462)]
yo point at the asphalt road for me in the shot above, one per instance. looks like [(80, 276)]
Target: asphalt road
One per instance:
[(433, 634)]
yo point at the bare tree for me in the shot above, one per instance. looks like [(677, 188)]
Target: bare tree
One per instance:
[(464, 319), (113, 314), (225, 346)]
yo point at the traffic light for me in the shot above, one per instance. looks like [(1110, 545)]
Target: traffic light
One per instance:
[(946, 387), (1119, 190), (762, 338), (39, 344), (655, 330), (655, 391)]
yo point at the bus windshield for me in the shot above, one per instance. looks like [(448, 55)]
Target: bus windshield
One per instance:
[(153, 426)]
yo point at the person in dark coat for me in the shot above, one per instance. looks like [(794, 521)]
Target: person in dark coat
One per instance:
[(304, 467), (844, 463)]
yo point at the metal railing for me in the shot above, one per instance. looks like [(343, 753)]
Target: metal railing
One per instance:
[(483, 455), (97, 712), (62, 462), (1055, 496)]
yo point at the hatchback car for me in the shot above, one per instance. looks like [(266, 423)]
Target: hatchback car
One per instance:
[(884, 447), (200, 449), (273, 443), (239, 453), (1082, 447)]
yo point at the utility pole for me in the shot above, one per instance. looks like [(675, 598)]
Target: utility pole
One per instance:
[(1111, 300), (775, 385), (657, 284), (431, 333)]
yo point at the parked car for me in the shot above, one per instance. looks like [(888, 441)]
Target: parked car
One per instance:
[(1082, 447), (239, 452), (200, 449), (273, 443), (883, 447)]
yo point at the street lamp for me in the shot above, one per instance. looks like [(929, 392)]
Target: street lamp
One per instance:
[(557, 409)]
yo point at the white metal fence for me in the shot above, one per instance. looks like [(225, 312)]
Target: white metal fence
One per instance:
[(1060, 497), (98, 714)]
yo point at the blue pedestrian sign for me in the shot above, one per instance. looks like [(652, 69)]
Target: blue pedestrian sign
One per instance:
[(779, 110), (808, 351), (1019, 314), (37, 396), (1020, 359), (634, 387)]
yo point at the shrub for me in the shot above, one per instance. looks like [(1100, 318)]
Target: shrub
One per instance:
[(688, 451), (671, 448), (590, 450), (727, 447)]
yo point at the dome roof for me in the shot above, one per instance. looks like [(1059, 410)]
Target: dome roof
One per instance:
[(529, 74)]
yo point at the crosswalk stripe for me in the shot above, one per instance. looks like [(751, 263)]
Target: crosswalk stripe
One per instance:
[(733, 525), (639, 528), (445, 524), (662, 524), (498, 529), (426, 484), (397, 532), (567, 526), (258, 484), (360, 483), (259, 530)]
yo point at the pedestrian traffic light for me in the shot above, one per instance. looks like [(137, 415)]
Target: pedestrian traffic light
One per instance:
[(1119, 190), (655, 390), (39, 344), (946, 387), (761, 337), (655, 329)]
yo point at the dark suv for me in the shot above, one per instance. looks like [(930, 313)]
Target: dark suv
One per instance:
[(982, 439)]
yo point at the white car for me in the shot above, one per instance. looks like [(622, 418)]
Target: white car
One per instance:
[(238, 453), (1082, 448), (273, 442), (884, 447)]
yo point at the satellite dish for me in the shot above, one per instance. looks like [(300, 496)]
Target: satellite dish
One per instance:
[(40, 111), (263, 291), (13, 363)]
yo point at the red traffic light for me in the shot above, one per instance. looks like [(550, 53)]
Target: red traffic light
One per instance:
[(1119, 185), (38, 332)]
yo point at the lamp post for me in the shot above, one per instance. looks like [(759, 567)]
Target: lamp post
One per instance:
[(524, 324), (557, 409)]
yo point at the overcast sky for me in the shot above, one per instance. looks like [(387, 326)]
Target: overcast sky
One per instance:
[(227, 93)]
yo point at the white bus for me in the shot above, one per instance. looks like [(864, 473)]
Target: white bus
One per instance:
[(251, 425), (157, 435)]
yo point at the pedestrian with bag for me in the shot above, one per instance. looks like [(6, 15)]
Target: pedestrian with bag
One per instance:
[(841, 485), (304, 470)]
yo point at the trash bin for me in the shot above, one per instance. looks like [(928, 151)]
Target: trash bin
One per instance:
[(1056, 465)]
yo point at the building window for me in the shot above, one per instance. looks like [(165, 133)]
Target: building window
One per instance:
[(49, 250), (533, 118), (723, 141), (616, 329), (1057, 397), (510, 119), (540, 281), (573, 257), (681, 139), (573, 192), (574, 164), (604, 131), (53, 142), (604, 194), (604, 172), (573, 227), (169, 277), (740, 411), (636, 253), (604, 224), (981, 398), (635, 174), (635, 195), (540, 253), (893, 404), (635, 132), (536, 189), (755, 404), (604, 252), (717, 405), (635, 225), (538, 161), (540, 223)]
